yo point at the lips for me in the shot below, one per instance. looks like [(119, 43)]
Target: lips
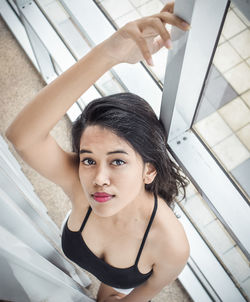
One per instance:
[(102, 197)]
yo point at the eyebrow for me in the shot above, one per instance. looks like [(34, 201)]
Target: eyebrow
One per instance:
[(108, 153)]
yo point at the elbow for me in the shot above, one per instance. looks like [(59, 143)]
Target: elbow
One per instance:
[(22, 139), (9, 135), (14, 138)]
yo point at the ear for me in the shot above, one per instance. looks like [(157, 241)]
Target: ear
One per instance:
[(149, 173)]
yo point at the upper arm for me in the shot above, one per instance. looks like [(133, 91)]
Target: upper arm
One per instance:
[(166, 269), (171, 256), (170, 259), (52, 162)]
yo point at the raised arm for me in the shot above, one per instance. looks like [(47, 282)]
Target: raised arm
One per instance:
[(30, 131)]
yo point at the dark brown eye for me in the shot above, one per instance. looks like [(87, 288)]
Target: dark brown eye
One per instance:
[(118, 162), (88, 161)]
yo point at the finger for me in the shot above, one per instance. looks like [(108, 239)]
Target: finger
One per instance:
[(158, 44), (160, 29), (169, 7), (142, 44), (173, 20)]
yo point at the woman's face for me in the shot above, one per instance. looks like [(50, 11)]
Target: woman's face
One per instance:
[(110, 171)]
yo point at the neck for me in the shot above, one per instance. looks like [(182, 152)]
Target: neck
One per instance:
[(136, 210)]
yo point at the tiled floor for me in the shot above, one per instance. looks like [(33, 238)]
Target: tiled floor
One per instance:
[(234, 258), (236, 114), (215, 233), (243, 135), (241, 173), (240, 41), (231, 152), (226, 57), (217, 237), (223, 122), (217, 93), (123, 8), (228, 92), (246, 97), (218, 129), (239, 77), (233, 25), (198, 211)]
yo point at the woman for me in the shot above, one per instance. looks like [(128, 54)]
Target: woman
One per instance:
[(119, 178)]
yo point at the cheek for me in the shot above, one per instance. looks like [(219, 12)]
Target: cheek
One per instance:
[(84, 176), (132, 178)]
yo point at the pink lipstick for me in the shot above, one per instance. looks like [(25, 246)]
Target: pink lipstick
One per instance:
[(102, 196)]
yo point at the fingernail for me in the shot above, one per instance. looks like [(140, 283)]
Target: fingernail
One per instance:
[(185, 25), (150, 61), (168, 44)]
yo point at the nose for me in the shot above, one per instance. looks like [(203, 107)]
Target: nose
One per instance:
[(101, 177)]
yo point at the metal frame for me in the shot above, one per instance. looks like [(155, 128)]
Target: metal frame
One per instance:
[(183, 99), (186, 72), (189, 61), (39, 40), (14, 24), (212, 282)]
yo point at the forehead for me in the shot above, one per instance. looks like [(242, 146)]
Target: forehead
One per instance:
[(102, 137)]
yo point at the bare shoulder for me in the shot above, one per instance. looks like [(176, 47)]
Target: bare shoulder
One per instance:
[(171, 248), (170, 233)]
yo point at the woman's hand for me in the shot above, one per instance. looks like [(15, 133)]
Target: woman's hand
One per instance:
[(143, 37)]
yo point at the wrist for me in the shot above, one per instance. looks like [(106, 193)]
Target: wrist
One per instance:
[(105, 49)]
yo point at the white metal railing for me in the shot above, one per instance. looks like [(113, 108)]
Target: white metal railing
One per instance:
[(31, 243), (186, 71)]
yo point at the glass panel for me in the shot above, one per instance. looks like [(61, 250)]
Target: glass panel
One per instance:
[(76, 42), (78, 38), (131, 10), (223, 117), (62, 23), (195, 206)]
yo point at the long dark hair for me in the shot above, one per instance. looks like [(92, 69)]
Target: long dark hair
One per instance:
[(132, 118)]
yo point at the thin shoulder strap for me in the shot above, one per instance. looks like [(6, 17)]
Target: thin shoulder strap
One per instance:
[(85, 219), (147, 230)]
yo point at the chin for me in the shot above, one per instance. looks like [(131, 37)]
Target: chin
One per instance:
[(102, 212), (105, 211)]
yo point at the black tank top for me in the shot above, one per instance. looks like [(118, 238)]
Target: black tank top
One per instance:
[(76, 250)]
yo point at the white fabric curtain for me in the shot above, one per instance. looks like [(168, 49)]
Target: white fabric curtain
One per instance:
[(32, 265)]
